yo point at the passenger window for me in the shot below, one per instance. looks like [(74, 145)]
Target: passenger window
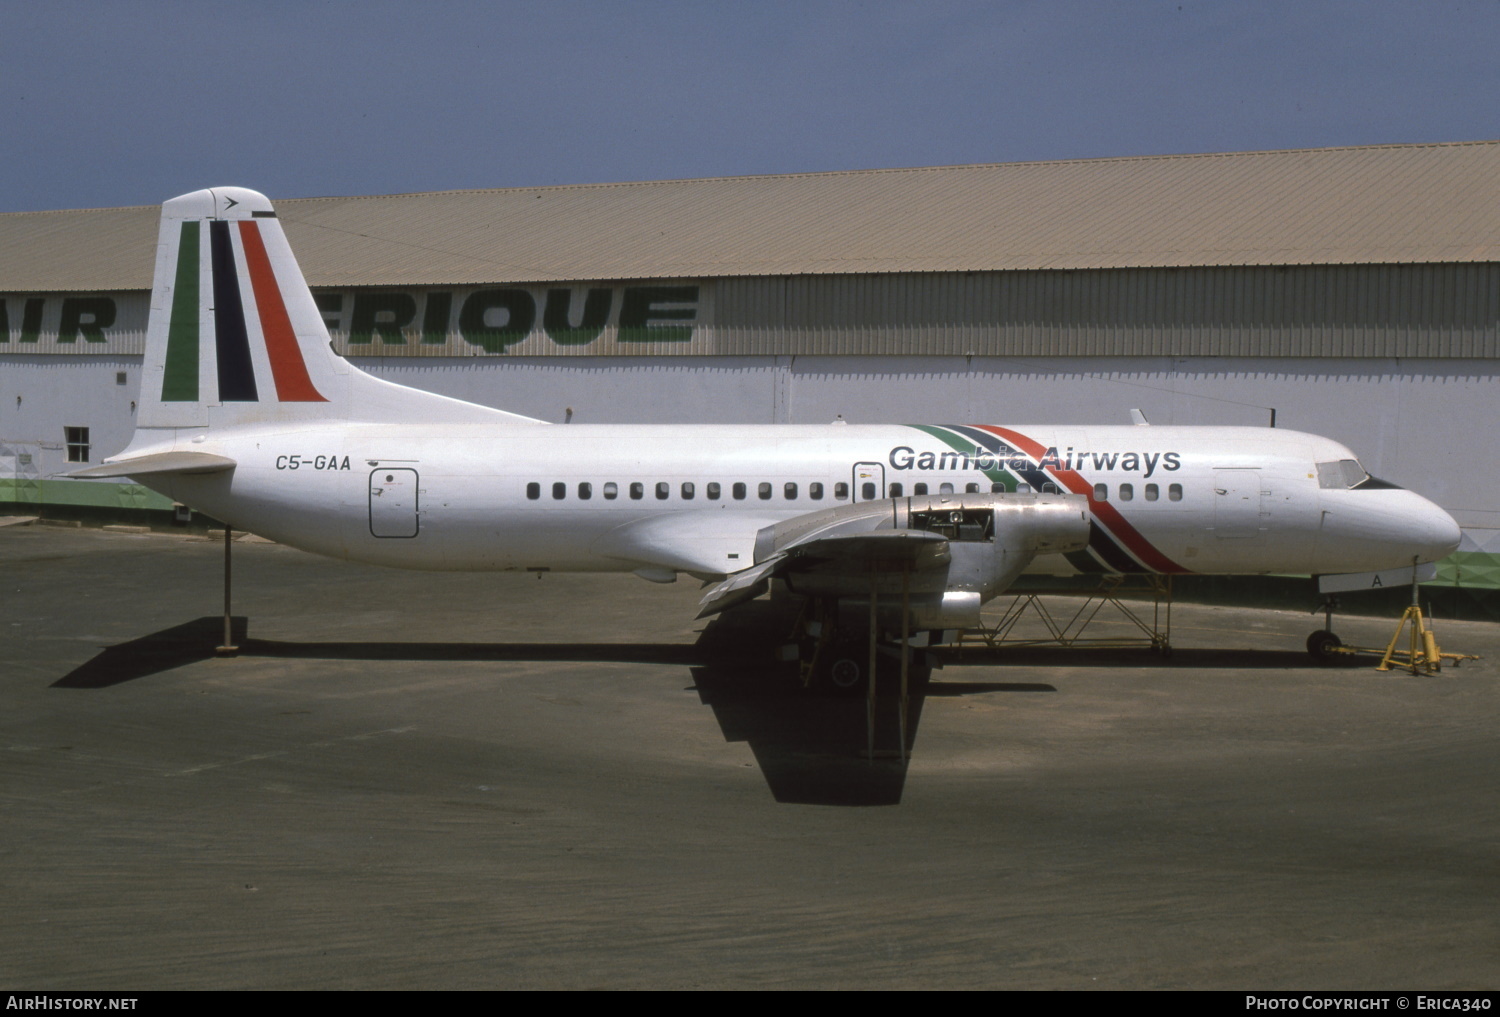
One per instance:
[(1151, 492), (687, 490), (815, 491), (764, 490), (713, 491), (1101, 492), (1127, 492), (533, 490), (1023, 488), (790, 490), (997, 488), (945, 488), (585, 491), (663, 489), (611, 491), (559, 490), (971, 488), (894, 490), (637, 490), (1050, 488), (919, 489), (739, 491), (841, 490), (1174, 492), (867, 491)]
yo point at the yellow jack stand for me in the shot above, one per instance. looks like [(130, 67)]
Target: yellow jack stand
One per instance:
[(1424, 650)]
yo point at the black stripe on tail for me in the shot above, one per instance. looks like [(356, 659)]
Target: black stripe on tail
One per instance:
[(236, 373)]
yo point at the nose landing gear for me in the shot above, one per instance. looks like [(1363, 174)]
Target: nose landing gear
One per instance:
[(1325, 647), (1421, 656)]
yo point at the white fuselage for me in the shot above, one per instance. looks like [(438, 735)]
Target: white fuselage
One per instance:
[(487, 497)]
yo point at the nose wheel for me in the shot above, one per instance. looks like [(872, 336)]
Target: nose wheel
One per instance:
[(1324, 646)]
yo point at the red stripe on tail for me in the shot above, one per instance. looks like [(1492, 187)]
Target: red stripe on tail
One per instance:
[(287, 367)]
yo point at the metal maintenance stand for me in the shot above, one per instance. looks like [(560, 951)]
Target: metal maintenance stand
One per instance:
[(1068, 630)]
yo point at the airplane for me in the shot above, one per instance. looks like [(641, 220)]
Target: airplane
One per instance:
[(247, 414)]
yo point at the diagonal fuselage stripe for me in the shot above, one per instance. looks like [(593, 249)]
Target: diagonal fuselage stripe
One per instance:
[(1108, 517), (1103, 553)]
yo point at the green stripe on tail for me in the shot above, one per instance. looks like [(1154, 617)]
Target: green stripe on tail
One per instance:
[(180, 381)]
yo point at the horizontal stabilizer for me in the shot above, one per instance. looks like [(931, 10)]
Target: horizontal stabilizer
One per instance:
[(160, 462)]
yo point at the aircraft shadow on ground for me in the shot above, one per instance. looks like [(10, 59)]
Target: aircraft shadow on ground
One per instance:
[(196, 640), (811, 747)]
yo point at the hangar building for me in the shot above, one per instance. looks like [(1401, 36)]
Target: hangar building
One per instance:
[(1351, 292)]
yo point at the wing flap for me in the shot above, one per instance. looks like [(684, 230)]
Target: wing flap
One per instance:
[(740, 587), (159, 462)]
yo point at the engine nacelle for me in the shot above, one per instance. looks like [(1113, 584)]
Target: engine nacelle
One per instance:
[(987, 540)]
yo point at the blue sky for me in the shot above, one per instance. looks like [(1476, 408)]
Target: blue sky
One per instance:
[(124, 102)]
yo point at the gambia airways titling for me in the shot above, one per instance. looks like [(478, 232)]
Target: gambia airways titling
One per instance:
[(904, 457)]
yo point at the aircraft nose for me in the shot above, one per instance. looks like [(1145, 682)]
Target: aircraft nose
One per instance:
[(1366, 531), (1438, 533)]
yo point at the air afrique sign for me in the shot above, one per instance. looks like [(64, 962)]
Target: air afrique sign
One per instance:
[(531, 321), (498, 320)]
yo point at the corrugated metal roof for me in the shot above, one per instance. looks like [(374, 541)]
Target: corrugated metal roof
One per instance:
[(1382, 204)]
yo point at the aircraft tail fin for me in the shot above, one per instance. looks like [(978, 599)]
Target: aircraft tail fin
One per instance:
[(235, 337)]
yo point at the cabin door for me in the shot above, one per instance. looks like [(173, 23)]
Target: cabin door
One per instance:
[(393, 502), (1237, 504)]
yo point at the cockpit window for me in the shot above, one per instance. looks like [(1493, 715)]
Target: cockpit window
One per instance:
[(1341, 475), (1347, 475)]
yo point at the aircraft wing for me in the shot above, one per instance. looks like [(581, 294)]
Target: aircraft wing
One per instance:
[(944, 548), (159, 462), (845, 549)]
